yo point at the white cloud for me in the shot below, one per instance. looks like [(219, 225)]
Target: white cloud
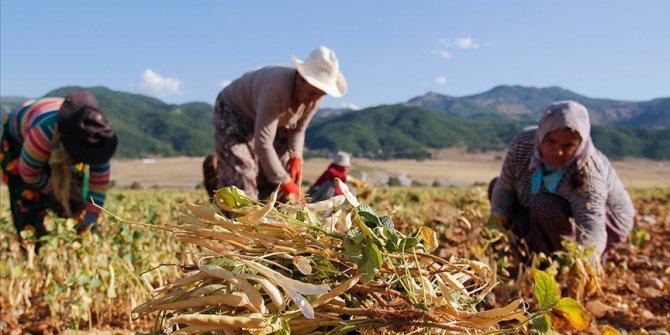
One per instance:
[(351, 106), (442, 53), (224, 83), (440, 80), (154, 84), (463, 43), (466, 43)]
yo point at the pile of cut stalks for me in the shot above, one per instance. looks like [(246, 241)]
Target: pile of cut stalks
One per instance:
[(331, 267)]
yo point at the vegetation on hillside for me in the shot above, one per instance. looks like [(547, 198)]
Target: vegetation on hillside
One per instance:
[(148, 127), (400, 131)]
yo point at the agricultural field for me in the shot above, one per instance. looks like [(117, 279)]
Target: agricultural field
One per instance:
[(93, 282)]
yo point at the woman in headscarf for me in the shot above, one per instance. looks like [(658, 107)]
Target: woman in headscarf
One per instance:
[(555, 185), (55, 156)]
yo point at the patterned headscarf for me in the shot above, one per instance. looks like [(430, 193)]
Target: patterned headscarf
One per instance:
[(560, 115)]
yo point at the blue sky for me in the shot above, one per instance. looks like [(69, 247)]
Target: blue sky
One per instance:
[(390, 51)]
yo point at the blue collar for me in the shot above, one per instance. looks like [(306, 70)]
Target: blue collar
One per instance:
[(550, 179)]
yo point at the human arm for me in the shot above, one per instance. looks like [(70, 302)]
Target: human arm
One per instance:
[(589, 212), (265, 131), (296, 137), (503, 196), (97, 190), (35, 153)]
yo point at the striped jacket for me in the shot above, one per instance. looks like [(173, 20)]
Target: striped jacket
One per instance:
[(604, 193), (33, 126)]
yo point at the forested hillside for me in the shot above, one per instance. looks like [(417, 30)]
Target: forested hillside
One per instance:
[(149, 127), (401, 131)]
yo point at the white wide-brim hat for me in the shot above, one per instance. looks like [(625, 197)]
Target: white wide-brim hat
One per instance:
[(322, 70), (342, 158)]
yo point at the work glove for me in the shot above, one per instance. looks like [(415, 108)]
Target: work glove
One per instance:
[(290, 192), (295, 169)]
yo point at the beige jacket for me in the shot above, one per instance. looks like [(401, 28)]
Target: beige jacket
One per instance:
[(264, 95)]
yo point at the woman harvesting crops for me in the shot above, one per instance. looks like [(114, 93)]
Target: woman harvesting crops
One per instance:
[(260, 121), (55, 156), (556, 185)]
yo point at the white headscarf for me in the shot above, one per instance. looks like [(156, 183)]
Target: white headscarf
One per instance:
[(560, 115)]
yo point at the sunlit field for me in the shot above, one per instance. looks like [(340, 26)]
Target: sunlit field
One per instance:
[(95, 281)]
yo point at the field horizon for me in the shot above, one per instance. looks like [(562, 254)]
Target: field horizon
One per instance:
[(450, 168)]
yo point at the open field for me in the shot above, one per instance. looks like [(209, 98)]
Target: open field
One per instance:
[(91, 283), (454, 169)]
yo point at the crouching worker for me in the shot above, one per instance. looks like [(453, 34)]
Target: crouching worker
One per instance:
[(555, 185), (325, 186), (260, 121), (55, 156)]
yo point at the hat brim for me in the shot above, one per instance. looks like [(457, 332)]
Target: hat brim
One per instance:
[(335, 90)]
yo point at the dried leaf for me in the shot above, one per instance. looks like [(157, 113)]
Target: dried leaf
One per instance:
[(429, 238), (303, 265), (571, 313)]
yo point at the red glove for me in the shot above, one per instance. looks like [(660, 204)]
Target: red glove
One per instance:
[(290, 191), (295, 169)]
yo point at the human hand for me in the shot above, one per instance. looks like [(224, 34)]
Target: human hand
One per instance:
[(88, 222), (290, 192), (77, 206), (295, 169), (497, 220)]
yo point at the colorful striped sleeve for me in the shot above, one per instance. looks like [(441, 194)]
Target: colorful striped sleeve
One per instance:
[(35, 155), (97, 186)]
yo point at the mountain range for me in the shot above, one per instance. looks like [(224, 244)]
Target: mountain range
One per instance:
[(149, 127), (527, 103)]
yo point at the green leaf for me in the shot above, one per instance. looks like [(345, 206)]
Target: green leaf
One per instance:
[(368, 215), (372, 258), (323, 268), (387, 223), (352, 249), (285, 328), (391, 246), (572, 313), (356, 235), (408, 243), (422, 306), (542, 323), (546, 290), (227, 195), (391, 238)]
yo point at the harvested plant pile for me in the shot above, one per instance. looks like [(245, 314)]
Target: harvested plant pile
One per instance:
[(333, 266)]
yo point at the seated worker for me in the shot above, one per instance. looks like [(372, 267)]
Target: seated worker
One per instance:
[(55, 156), (556, 185), (325, 186)]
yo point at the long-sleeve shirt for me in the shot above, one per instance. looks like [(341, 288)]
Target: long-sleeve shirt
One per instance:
[(33, 126), (264, 96), (604, 194), (333, 171)]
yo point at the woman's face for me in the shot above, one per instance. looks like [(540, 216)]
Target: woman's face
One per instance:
[(559, 147)]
